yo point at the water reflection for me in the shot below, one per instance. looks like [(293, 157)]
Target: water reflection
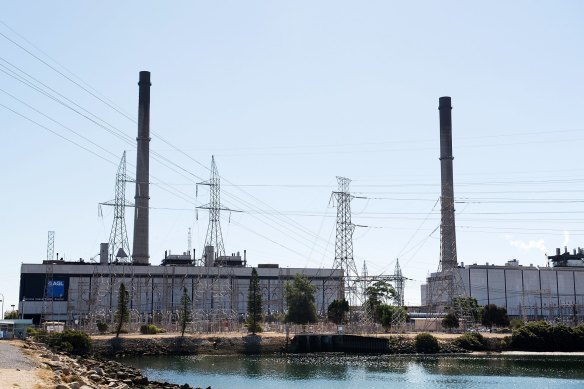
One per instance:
[(367, 371), (512, 366)]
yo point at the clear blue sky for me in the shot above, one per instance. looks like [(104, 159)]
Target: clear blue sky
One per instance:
[(288, 95)]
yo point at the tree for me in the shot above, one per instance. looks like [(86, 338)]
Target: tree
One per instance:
[(493, 315), (450, 321), (467, 307), (11, 314), (390, 315), (185, 311), (337, 311), (300, 300), (380, 292), (254, 304), (123, 312)]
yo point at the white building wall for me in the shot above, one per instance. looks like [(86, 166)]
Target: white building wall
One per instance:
[(526, 291), (514, 290)]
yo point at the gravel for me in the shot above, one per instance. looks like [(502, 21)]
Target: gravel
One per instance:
[(12, 357)]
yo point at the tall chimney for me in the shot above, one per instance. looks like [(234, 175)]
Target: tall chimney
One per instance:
[(140, 254), (447, 225)]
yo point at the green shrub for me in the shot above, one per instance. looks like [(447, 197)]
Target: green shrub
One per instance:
[(401, 345), (579, 337), (516, 323), (563, 338), (471, 341), (102, 327), (150, 329), (426, 343), (534, 336), (38, 335), (71, 341), (79, 341), (494, 344)]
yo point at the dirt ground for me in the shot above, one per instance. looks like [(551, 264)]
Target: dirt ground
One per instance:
[(19, 368)]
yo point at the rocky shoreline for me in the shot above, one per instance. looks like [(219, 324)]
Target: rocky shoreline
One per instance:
[(76, 372), (131, 346)]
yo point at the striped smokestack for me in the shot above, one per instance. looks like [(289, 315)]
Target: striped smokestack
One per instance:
[(448, 259), (140, 254)]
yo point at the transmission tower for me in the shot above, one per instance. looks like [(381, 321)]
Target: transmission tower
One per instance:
[(344, 241), (119, 247), (190, 241), (364, 279), (48, 295), (214, 236), (51, 246), (399, 284)]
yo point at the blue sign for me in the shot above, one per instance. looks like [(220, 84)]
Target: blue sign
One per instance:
[(56, 289)]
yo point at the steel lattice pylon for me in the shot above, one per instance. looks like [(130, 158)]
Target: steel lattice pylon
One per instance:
[(399, 284), (214, 236), (51, 246), (344, 241), (119, 246)]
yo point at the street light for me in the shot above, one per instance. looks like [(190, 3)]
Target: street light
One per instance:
[(2, 305)]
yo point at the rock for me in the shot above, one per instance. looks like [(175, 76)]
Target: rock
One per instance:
[(141, 380), (55, 358), (98, 370), (75, 385), (62, 386)]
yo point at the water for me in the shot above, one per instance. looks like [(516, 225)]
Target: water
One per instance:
[(336, 371)]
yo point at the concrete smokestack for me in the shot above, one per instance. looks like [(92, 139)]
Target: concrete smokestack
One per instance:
[(140, 254), (447, 225)]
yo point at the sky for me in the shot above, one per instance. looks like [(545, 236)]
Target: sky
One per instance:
[(287, 96)]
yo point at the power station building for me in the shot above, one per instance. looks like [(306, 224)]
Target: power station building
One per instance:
[(80, 292), (528, 292)]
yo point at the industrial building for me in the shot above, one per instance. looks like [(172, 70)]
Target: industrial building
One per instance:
[(81, 293), (528, 292)]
